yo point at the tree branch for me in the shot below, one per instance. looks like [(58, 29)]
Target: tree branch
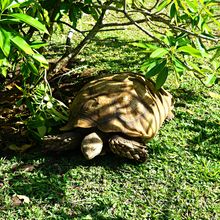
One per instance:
[(158, 18), (71, 53), (69, 25)]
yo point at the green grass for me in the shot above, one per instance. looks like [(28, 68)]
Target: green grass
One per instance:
[(180, 180)]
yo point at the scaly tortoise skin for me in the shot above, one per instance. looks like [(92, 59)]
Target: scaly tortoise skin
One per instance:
[(122, 110)]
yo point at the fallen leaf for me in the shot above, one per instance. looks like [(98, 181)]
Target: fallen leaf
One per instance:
[(1, 184), (19, 123), (19, 200), (16, 201), (28, 167), (10, 86)]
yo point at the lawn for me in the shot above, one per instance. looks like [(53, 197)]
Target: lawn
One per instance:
[(180, 180)]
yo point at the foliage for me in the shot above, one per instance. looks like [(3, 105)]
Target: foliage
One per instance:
[(19, 52), (16, 48), (186, 41), (182, 37)]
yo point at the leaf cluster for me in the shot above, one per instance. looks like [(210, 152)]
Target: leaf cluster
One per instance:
[(185, 40)]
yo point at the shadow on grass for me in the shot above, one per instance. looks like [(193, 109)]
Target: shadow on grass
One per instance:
[(207, 141), (186, 96), (122, 53), (47, 181), (205, 138), (91, 214), (112, 52)]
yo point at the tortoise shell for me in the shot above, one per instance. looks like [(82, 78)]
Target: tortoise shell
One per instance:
[(126, 103)]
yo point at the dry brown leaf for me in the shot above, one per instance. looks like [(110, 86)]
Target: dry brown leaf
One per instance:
[(28, 167), (10, 86), (19, 200), (1, 184)]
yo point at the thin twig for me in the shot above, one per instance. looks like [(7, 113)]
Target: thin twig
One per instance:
[(116, 24), (69, 25), (158, 18), (139, 27)]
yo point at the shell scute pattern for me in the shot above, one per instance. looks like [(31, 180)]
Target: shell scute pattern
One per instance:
[(126, 103)]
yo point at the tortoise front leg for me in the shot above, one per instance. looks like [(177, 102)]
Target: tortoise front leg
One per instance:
[(128, 148)]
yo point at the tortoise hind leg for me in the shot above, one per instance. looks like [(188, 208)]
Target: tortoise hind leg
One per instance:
[(62, 142), (128, 148)]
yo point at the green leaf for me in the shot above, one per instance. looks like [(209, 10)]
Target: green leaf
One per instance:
[(32, 67), (3, 71), (58, 115), (140, 44), (75, 14), (31, 21), (86, 9), (9, 21), (149, 64), (40, 58), (178, 63), (38, 44), (25, 70), (19, 88), (156, 69), (4, 4), (216, 55), (192, 5), (21, 44), (5, 41), (201, 47), (4, 64), (163, 5), (173, 11), (195, 67), (190, 50), (158, 53), (42, 130), (161, 78), (19, 3), (36, 120), (95, 13), (210, 81), (152, 46)]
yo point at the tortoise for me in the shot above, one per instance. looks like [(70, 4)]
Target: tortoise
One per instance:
[(121, 111)]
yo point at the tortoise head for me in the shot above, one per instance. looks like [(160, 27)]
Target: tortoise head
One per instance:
[(91, 145)]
